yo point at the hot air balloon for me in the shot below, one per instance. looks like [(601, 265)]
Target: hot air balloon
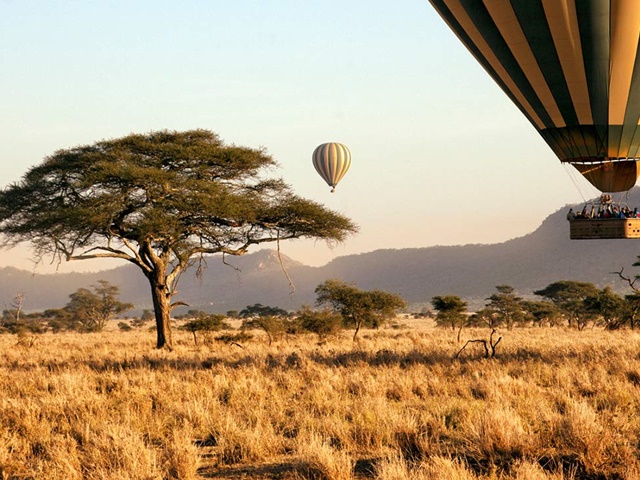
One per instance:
[(572, 68), (331, 161)]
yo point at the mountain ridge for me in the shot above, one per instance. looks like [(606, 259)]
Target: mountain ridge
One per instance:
[(472, 271)]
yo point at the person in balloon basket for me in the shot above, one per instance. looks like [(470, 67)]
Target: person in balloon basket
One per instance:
[(571, 215)]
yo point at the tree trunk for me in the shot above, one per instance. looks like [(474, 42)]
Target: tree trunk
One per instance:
[(162, 309), (355, 334)]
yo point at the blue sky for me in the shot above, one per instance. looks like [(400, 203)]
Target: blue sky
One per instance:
[(440, 155)]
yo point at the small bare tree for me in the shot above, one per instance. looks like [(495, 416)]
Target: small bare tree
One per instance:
[(17, 303), (489, 345)]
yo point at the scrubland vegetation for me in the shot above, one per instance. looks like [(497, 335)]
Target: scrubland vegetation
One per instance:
[(555, 403)]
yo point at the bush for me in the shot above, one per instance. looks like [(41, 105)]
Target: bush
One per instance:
[(139, 322), (234, 337), (57, 325), (273, 326), (206, 324), (24, 326), (124, 326), (321, 322)]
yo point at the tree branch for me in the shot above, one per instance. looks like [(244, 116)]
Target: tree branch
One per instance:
[(293, 287), (483, 342), (628, 280)]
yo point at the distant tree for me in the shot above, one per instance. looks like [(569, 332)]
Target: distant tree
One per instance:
[(259, 310), (191, 313), (93, 308), (233, 314), (542, 312), (609, 306), (274, 326), (17, 303), (146, 316), (424, 313), (485, 317), (59, 319), (451, 312), (205, 324), (125, 326), (505, 307), (159, 201), (358, 307), (631, 309), (12, 315), (569, 297), (234, 338), (8, 315), (321, 322), (33, 325), (272, 320)]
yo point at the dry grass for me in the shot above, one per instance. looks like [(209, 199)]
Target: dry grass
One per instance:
[(555, 404)]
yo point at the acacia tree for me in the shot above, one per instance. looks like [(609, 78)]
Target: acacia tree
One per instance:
[(452, 311), (631, 309), (542, 312), (205, 323), (568, 296), (506, 306), (356, 306), (159, 201), (93, 309), (608, 305), (259, 310)]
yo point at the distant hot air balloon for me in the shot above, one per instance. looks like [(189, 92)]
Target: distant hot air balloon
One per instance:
[(572, 67), (332, 160)]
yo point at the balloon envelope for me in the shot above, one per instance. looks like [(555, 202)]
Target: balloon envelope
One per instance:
[(331, 161), (571, 67)]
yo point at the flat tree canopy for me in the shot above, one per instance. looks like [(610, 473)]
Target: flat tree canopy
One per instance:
[(360, 307), (451, 310), (159, 200), (569, 296)]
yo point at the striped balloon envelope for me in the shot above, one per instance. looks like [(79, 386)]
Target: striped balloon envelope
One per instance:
[(331, 161), (572, 68)]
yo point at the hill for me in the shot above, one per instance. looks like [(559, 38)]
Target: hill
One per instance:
[(471, 271)]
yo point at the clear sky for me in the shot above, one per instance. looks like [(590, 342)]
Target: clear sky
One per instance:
[(440, 155)]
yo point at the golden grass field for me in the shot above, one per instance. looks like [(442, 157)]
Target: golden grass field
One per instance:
[(554, 404)]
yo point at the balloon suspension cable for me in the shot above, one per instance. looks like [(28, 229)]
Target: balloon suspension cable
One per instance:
[(293, 287), (333, 189), (573, 174)]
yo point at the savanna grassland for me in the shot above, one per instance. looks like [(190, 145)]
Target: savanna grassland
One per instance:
[(553, 404)]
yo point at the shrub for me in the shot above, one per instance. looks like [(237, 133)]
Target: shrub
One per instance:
[(206, 324), (125, 326), (234, 338), (321, 322), (139, 322), (273, 326), (24, 326)]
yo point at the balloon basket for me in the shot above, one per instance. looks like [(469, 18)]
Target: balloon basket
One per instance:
[(605, 228)]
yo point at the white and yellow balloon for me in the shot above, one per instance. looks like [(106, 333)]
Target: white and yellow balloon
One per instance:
[(331, 161)]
